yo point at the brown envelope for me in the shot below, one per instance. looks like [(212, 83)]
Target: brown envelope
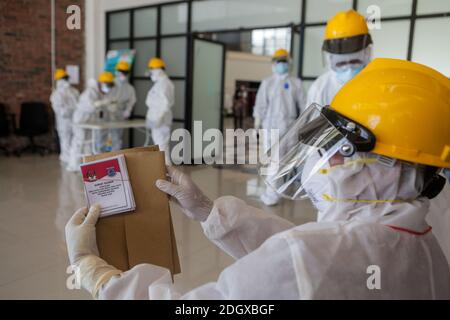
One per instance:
[(145, 235)]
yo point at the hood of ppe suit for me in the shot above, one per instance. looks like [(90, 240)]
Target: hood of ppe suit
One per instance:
[(363, 188)]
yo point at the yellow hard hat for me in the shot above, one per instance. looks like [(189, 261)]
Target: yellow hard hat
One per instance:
[(106, 77), (405, 105), (123, 66), (280, 53), (346, 32), (156, 63), (60, 73)]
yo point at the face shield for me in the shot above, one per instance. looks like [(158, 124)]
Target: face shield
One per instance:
[(339, 60), (317, 140), (346, 66)]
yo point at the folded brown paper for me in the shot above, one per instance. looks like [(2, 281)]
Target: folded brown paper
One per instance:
[(145, 235)]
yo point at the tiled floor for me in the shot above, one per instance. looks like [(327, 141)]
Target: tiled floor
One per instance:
[(37, 196)]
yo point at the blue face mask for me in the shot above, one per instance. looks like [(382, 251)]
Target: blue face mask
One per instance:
[(447, 174), (348, 74), (282, 68)]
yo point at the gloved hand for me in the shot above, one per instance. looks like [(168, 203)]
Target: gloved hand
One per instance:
[(80, 234), (81, 242), (126, 114), (190, 198), (101, 103), (257, 123)]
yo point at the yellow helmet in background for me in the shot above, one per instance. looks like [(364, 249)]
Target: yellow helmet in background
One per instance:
[(60, 73), (123, 66), (156, 63), (106, 77), (280, 54), (346, 32), (405, 105)]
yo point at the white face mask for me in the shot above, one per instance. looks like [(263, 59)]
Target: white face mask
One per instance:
[(121, 77), (105, 88), (156, 74), (337, 191), (62, 84)]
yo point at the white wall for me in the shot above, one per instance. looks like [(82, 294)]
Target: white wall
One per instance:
[(95, 30), (244, 66)]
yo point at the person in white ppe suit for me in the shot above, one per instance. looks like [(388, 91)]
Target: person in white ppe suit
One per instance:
[(370, 240), (279, 101), (64, 100), (107, 110), (160, 100), (347, 49), (89, 109), (125, 96)]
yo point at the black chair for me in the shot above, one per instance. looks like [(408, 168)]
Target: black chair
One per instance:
[(6, 126), (34, 121)]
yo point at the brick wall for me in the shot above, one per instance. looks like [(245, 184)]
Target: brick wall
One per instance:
[(25, 49)]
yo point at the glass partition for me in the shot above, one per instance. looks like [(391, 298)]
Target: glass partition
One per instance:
[(174, 19), (145, 49), (173, 51), (322, 10), (231, 14), (119, 25), (145, 22), (431, 45)]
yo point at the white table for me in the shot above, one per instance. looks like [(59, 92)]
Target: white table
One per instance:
[(138, 124)]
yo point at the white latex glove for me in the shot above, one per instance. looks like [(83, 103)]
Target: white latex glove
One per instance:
[(126, 114), (80, 234), (81, 242), (190, 198), (101, 103), (257, 123)]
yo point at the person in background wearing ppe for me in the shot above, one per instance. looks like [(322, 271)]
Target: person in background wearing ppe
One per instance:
[(369, 171), (89, 109), (64, 99), (279, 101), (347, 49), (160, 100), (125, 96), (106, 107)]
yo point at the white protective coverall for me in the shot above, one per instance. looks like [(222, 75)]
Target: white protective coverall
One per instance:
[(125, 96), (323, 89), (160, 100), (381, 250), (64, 100), (279, 102), (439, 219), (85, 112), (107, 110)]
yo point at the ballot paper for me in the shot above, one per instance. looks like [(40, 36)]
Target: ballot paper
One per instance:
[(106, 182)]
